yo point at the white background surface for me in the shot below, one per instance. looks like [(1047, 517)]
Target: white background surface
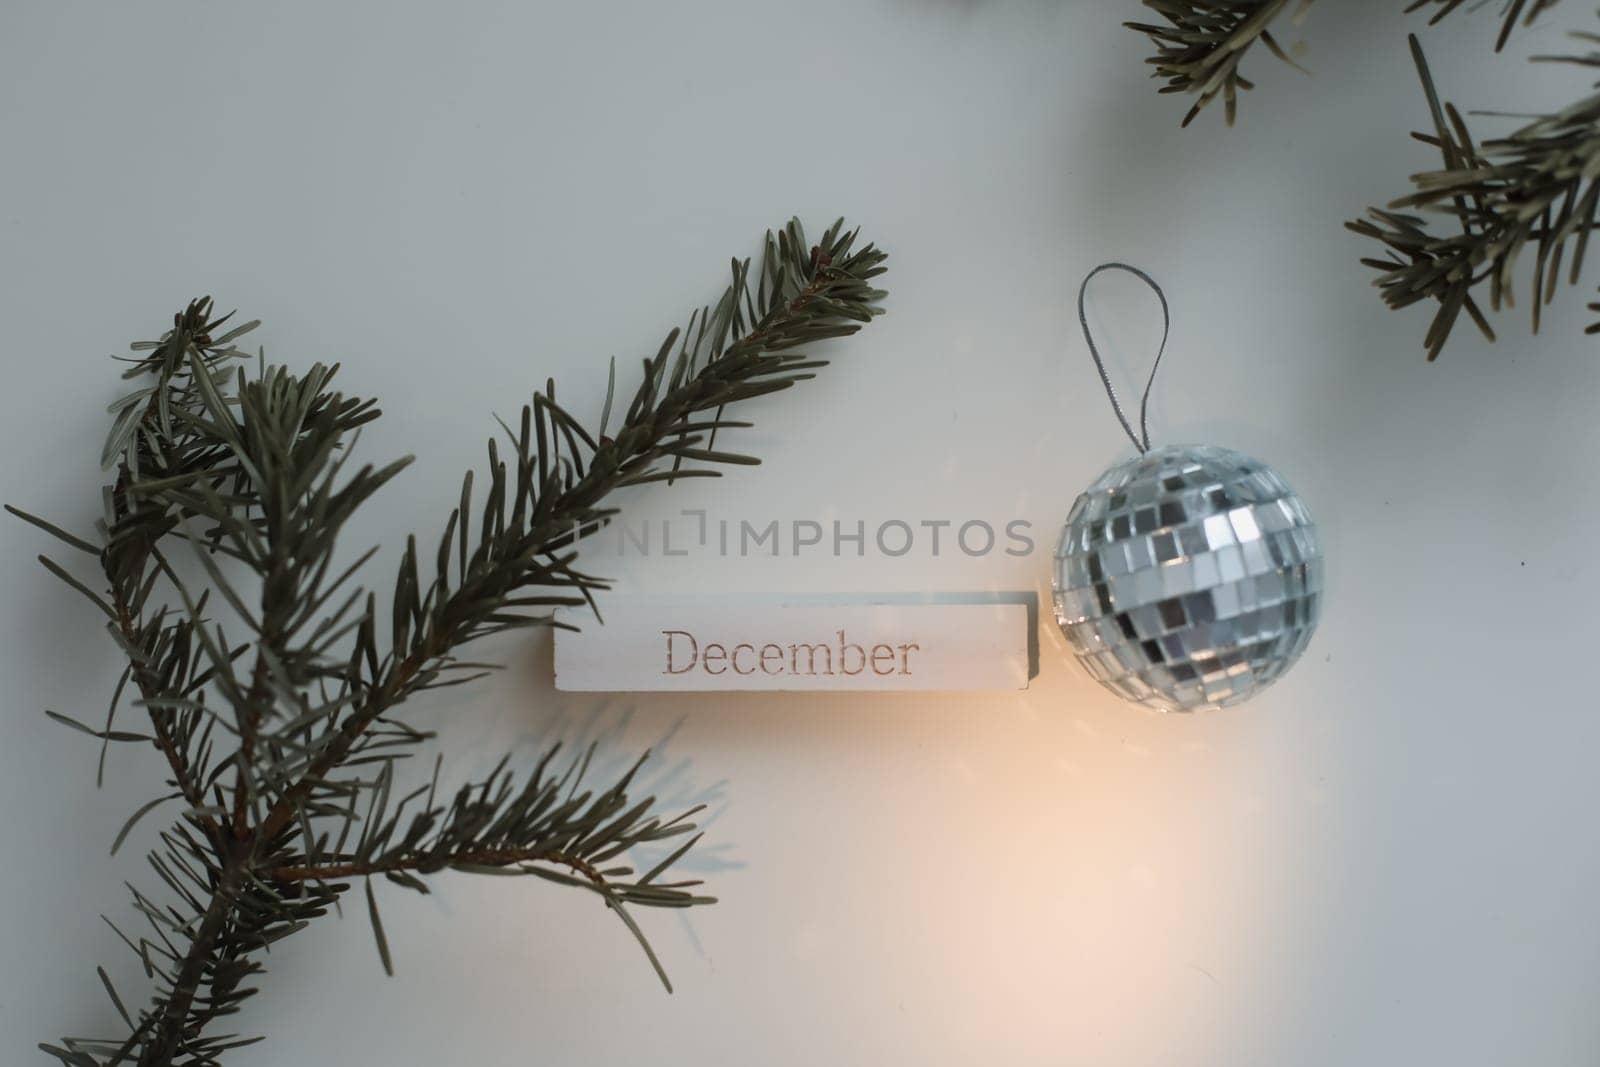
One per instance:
[(1390, 858)]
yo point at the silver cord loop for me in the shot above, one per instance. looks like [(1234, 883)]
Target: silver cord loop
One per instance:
[(1141, 440)]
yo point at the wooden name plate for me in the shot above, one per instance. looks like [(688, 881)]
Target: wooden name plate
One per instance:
[(705, 644)]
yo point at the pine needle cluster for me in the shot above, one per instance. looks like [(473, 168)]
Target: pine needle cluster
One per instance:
[(1465, 226), (1491, 205), (1201, 44), (1512, 12)]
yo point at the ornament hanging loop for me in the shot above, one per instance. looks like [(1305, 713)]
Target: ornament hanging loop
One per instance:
[(1141, 439)]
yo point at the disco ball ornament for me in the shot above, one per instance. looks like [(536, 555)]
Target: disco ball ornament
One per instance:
[(1188, 578)]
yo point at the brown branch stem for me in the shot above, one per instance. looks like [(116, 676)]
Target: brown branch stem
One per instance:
[(327, 872), (150, 689), (168, 1033), (249, 727)]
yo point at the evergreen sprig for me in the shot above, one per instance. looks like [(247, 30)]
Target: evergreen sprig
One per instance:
[(272, 683), (1535, 190), (1200, 44)]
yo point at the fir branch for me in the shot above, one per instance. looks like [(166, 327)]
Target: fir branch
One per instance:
[(497, 827), (741, 348), (1201, 44), (1532, 189), (284, 746)]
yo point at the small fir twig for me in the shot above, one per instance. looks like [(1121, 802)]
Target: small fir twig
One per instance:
[(1201, 44), (1535, 190), (279, 727)]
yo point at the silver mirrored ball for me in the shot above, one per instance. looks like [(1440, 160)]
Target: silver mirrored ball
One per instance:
[(1188, 578)]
